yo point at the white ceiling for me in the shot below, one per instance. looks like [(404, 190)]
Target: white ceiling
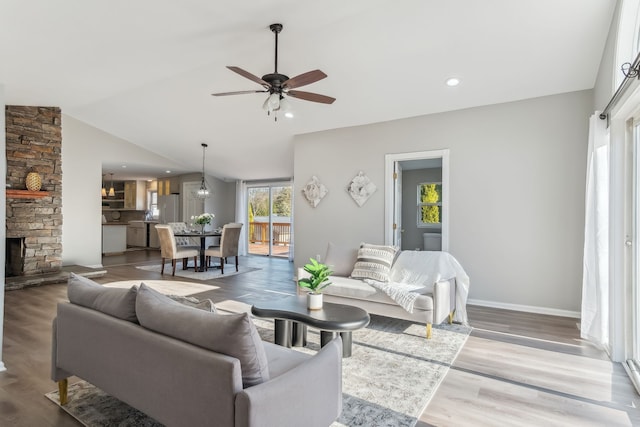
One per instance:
[(144, 70)]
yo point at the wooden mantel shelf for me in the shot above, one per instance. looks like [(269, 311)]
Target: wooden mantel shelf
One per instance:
[(25, 194)]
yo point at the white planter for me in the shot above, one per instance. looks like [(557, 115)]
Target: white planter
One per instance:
[(314, 301)]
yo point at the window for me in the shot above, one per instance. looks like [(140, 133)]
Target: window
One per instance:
[(153, 204), (429, 212)]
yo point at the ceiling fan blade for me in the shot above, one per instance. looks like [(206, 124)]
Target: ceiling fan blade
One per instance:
[(239, 92), (304, 79), (249, 76), (309, 96)]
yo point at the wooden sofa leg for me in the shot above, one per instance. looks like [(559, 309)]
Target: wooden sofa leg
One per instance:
[(451, 317), (428, 331), (63, 386)]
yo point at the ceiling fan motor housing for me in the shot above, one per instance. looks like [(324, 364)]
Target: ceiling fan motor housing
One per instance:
[(275, 80)]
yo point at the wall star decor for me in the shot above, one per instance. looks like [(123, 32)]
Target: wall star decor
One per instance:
[(314, 191), (361, 188)]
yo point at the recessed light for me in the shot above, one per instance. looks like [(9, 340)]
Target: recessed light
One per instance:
[(124, 166), (453, 82), (167, 171), (288, 115)]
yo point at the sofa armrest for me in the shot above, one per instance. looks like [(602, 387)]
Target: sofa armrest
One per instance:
[(57, 374), (312, 391), (444, 300)]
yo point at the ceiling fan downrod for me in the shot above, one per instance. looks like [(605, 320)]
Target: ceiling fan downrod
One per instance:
[(276, 28)]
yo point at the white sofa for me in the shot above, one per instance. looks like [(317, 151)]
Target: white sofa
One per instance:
[(437, 277)]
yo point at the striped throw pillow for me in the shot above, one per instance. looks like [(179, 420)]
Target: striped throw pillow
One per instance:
[(374, 262)]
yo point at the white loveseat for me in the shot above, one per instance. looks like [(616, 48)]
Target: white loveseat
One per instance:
[(437, 281)]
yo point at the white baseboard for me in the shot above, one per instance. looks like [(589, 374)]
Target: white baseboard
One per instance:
[(525, 308), (2, 367)]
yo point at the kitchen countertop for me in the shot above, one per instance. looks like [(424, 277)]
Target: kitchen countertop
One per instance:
[(115, 223)]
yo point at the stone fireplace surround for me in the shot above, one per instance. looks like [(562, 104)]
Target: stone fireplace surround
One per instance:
[(34, 142)]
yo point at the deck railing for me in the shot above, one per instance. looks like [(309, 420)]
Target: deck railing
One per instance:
[(259, 233)]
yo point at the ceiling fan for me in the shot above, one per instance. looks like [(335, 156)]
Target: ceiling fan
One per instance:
[(278, 85)]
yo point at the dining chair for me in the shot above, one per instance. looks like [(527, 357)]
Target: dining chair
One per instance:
[(229, 242), (183, 242), (169, 249)]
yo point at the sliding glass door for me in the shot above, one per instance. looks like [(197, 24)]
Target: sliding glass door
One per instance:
[(634, 242), (269, 217)]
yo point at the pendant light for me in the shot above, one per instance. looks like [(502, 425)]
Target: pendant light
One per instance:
[(203, 192), (104, 190), (112, 192)]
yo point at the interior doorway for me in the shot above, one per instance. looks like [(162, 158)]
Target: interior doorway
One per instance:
[(417, 200), (269, 208)]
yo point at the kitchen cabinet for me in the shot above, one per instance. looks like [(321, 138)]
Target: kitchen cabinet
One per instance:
[(134, 195), (168, 186), (114, 238), (129, 196), (137, 234)]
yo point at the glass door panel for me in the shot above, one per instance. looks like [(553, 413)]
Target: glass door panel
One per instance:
[(269, 211), (280, 220)]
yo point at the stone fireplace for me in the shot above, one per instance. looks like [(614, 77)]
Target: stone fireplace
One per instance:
[(34, 143)]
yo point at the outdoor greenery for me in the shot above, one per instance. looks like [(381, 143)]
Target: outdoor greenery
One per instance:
[(430, 193), (259, 202)]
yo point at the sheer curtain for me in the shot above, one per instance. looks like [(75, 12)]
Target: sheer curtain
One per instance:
[(241, 215), (291, 235), (594, 324)]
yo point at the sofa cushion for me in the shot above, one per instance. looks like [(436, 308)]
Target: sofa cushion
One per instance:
[(341, 259), (232, 334), (120, 303), (374, 262)]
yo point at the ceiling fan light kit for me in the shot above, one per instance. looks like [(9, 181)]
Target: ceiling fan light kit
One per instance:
[(279, 86)]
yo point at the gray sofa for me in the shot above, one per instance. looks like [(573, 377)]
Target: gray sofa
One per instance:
[(435, 304), (102, 338)]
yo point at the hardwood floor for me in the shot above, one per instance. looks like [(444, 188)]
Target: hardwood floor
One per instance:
[(516, 369)]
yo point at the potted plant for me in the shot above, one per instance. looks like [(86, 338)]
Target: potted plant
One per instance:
[(318, 280)]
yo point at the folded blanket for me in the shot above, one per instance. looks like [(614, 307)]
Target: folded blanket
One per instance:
[(405, 294), (415, 272)]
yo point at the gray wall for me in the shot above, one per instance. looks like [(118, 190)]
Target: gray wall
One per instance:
[(412, 235), (221, 203), (605, 86), (517, 180)]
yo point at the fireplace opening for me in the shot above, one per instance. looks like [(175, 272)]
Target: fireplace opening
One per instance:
[(14, 260)]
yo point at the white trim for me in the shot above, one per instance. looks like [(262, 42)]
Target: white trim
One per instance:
[(389, 161), (525, 308), (2, 367)]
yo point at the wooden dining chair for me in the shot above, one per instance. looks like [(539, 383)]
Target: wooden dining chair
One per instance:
[(169, 249), (229, 242)]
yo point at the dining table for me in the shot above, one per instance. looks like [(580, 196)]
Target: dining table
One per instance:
[(203, 238)]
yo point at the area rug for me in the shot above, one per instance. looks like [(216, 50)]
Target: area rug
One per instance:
[(388, 381), (167, 287), (212, 273)]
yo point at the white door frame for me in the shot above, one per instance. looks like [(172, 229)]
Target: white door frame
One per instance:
[(389, 189)]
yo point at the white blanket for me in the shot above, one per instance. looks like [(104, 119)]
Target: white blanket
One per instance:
[(416, 272)]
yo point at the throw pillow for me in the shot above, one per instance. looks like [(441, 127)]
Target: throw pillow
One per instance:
[(120, 303), (205, 304), (232, 334), (374, 262), (341, 259)]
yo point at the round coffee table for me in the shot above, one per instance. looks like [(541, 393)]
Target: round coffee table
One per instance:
[(292, 317)]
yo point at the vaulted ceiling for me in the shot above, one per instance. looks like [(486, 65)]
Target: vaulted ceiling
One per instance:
[(144, 70)]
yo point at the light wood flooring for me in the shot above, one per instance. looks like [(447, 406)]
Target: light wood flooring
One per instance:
[(516, 369)]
